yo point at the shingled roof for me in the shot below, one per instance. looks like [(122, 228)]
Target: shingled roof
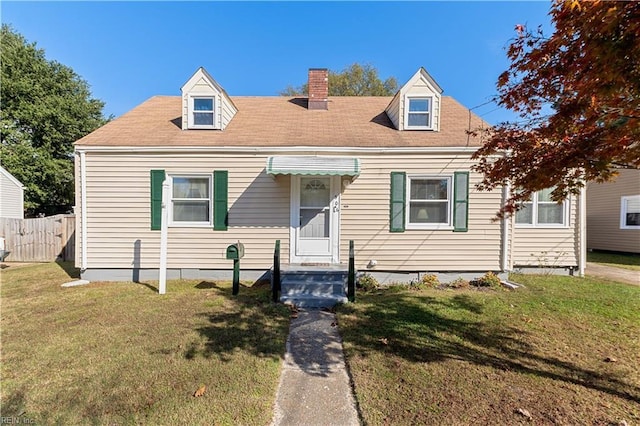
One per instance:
[(281, 121)]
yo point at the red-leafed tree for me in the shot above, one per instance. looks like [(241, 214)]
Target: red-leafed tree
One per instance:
[(577, 93)]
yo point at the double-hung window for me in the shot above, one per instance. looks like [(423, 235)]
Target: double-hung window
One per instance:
[(418, 113), (630, 212), (541, 211), (202, 112), (429, 202), (191, 201)]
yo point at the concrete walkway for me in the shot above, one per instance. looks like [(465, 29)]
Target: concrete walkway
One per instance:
[(615, 274), (314, 386)]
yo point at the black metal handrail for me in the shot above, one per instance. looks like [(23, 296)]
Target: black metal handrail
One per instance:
[(351, 280), (275, 276)]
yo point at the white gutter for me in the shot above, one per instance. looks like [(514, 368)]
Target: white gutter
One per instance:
[(83, 208), (582, 236), (262, 150), (506, 192)]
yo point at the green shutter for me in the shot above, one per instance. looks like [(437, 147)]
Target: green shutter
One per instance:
[(157, 177), (220, 192), (397, 202), (461, 202)]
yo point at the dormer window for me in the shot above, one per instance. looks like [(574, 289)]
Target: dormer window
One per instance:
[(418, 113), (201, 114)]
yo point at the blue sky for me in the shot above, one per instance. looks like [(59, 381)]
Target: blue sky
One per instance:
[(130, 51)]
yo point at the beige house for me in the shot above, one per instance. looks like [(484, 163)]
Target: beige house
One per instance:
[(393, 174), (613, 213)]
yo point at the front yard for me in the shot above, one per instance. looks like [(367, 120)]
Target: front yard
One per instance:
[(119, 353), (562, 350)]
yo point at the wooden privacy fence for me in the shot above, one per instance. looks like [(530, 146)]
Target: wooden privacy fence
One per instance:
[(43, 239)]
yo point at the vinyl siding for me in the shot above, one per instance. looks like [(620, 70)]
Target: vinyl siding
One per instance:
[(119, 235), (393, 111), (11, 198), (227, 111), (365, 219), (548, 247), (118, 197), (603, 214)]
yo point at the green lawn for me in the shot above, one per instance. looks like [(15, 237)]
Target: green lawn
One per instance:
[(119, 353), (564, 349), (619, 260)]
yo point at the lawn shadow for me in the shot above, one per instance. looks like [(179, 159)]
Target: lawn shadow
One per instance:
[(247, 322), (441, 337), (147, 285), (69, 268)]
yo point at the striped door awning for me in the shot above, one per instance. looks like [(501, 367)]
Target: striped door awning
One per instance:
[(313, 165)]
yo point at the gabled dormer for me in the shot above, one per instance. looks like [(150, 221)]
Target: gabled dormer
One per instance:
[(416, 106), (205, 104)]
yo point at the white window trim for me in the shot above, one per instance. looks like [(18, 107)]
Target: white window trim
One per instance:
[(430, 226), (183, 224), (623, 211), (191, 111), (407, 99), (566, 204)]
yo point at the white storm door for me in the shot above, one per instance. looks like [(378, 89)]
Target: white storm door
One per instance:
[(315, 218)]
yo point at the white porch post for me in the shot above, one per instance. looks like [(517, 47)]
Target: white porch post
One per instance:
[(506, 193), (582, 238), (162, 286)]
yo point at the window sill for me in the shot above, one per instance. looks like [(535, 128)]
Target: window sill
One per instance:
[(203, 128), (544, 226), (434, 227), (190, 225), (417, 128)]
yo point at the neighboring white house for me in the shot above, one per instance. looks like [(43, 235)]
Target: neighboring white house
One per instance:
[(11, 196)]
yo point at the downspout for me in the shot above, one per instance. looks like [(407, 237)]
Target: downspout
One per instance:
[(506, 192), (582, 247), (83, 208)]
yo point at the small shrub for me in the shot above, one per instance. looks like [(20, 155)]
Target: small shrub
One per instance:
[(458, 283), (488, 280), (367, 282), (430, 280), (426, 281)]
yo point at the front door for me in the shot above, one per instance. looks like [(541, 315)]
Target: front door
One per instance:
[(315, 220)]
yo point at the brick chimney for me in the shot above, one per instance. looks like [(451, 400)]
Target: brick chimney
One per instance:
[(318, 88)]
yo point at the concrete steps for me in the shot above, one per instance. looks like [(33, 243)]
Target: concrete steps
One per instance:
[(307, 287)]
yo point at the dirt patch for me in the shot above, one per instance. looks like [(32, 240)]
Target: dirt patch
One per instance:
[(615, 274)]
